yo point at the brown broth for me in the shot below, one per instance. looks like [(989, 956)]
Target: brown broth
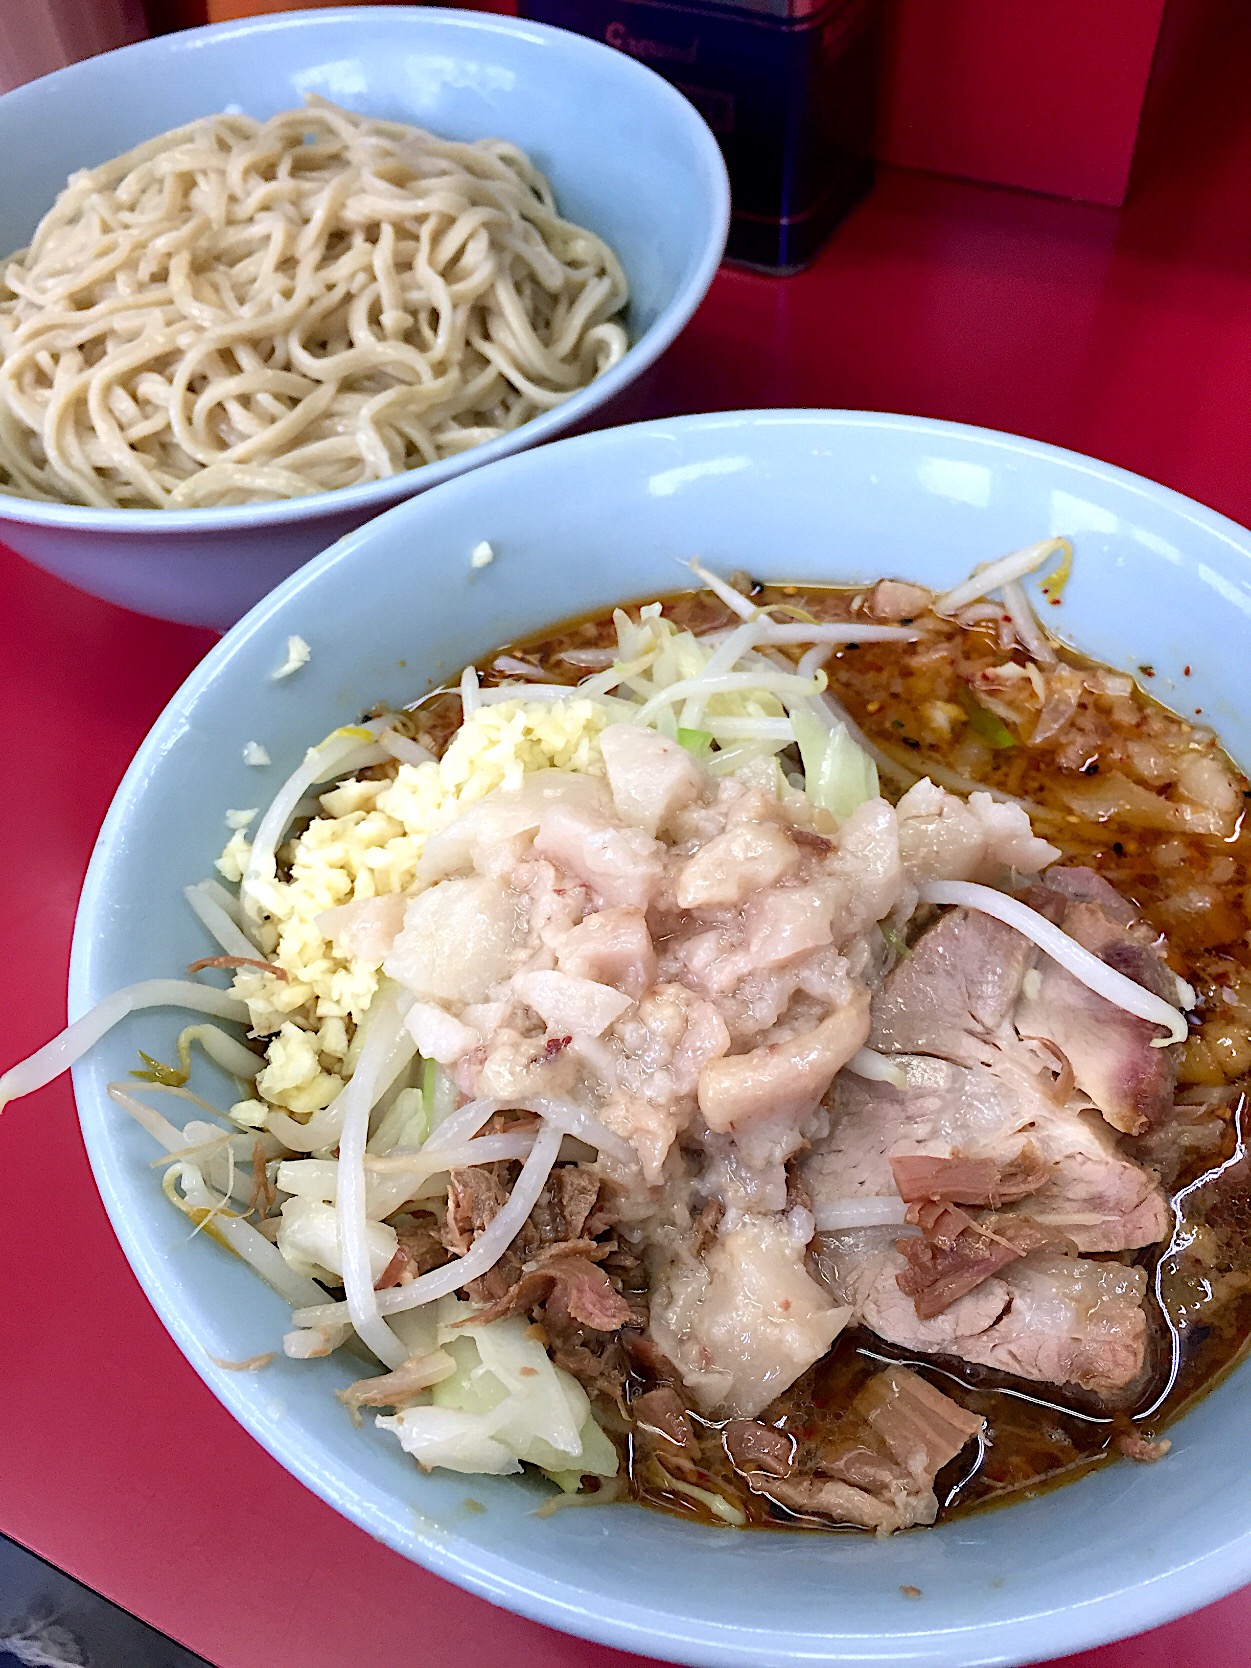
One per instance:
[(913, 701)]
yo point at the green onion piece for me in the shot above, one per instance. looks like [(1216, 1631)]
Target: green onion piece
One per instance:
[(158, 1072), (984, 724), (1052, 587), (893, 940), (697, 742)]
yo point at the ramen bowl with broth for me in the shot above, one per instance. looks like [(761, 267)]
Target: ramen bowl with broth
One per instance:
[(184, 429), (802, 499)]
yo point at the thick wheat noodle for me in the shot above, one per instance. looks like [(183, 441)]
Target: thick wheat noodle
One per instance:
[(242, 310)]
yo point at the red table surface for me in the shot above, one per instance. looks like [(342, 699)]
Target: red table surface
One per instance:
[(1127, 335)]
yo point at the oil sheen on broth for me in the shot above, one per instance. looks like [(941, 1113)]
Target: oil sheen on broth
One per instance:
[(1143, 796)]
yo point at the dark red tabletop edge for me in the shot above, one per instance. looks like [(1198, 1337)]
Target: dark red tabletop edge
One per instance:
[(1123, 334)]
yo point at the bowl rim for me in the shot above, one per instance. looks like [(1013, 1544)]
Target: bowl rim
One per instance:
[(1160, 1595), (372, 497)]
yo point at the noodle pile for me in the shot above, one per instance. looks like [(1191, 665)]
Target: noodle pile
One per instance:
[(241, 310)]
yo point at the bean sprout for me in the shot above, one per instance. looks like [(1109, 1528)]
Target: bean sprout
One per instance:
[(404, 749), (482, 1255), (991, 575), (350, 1214), (1096, 975), (76, 1039), (836, 1214), (208, 908)]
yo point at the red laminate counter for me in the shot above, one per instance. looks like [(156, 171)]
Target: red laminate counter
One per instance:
[(1127, 335)]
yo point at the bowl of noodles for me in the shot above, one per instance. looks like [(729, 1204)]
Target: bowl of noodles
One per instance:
[(734, 1018), (268, 278)]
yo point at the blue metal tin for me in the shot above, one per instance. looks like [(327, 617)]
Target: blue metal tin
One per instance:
[(788, 88)]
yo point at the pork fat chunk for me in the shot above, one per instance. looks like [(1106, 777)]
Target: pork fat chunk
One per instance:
[(746, 1323), (651, 777), (784, 1079)]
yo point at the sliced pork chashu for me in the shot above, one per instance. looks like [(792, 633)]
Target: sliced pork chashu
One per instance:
[(1030, 1130)]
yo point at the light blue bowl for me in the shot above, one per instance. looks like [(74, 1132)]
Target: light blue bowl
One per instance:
[(627, 155), (578, 526)]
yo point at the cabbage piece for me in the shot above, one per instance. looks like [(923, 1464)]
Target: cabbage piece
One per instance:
[(505, 1403), (318, 1179), (308, 1237), (441, 1093), (405, 1124), (599, 1458), (507, 1377), (838, 775), (450, 1438), (417, 1329)]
